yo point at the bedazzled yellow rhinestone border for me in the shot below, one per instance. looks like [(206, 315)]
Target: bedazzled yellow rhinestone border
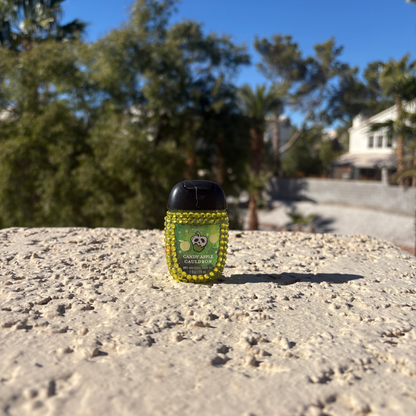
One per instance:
[(195, 217)]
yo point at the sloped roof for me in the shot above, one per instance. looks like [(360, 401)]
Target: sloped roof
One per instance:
[(359, 121)]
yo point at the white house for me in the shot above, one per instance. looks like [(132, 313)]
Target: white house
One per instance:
[(371, 155)]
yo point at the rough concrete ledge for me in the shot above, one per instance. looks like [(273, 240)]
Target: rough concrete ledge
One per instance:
[(91, 324)]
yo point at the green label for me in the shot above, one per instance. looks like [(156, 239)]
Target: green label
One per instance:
[(197, 247)]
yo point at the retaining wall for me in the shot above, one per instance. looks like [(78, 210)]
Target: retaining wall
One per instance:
[(373, 195)]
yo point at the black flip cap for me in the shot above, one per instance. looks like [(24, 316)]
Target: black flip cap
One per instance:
[(197, 196)]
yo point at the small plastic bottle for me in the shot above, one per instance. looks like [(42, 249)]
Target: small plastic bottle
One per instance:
[(196, 231)]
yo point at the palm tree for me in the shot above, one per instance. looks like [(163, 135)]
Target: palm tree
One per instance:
[(257, 104), (398, 80), (24, 22), (301, 221)]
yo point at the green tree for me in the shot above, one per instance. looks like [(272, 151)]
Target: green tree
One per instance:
[(97, 134), (377, 99), (174, 80), (124, 180), (23, 22), (257, 104), (303, 158), (312, 84), (39, 145), (355, 96), (282, 63)]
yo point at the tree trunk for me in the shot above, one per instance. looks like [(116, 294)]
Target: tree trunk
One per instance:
[(219, 162), (220, 168), (399, 144), (256, 134), (191, 171), (253, 223), (276, 148)]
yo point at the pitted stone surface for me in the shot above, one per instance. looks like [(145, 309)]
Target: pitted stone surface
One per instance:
[(302, 324)]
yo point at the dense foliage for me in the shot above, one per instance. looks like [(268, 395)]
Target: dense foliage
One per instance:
[(96, 134)]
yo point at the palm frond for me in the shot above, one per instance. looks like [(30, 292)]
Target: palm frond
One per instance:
[(410, 117), (405, 173), (386, 125), (394, 127), (409, 158), (256, 183), (398, 78), (299, 219), (259, 102)]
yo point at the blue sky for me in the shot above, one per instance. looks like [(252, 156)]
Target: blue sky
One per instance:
[(369, 30)]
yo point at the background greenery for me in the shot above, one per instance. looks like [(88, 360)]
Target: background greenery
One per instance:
[(96, 134)]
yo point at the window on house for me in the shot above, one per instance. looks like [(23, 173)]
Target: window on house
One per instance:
[(371, 141), (389, 141), (379, 141)]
